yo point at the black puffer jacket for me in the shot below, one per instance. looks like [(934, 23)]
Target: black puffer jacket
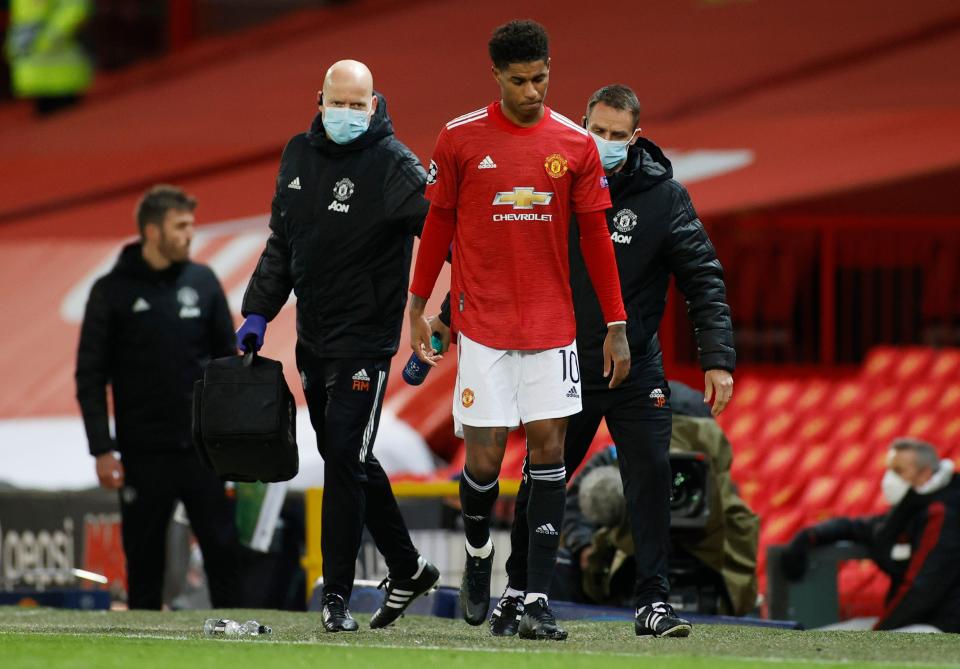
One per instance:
[(149, 334), (342, 221), (655, 233)]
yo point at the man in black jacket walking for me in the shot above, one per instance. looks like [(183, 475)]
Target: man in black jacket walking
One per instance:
[(348, 201), (656, 234), (151, 326)]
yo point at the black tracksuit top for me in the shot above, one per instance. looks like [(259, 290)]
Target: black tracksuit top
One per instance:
[(149, 334), (342, 224), (656, 233)]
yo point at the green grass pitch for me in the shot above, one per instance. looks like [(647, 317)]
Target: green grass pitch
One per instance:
[(53, 639)]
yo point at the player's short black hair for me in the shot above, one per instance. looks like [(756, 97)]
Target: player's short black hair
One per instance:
[(156, 202), (518, 42), (619, 97)]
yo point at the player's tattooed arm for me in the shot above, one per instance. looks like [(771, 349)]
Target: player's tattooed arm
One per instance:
[(420, 332), (616, 354)]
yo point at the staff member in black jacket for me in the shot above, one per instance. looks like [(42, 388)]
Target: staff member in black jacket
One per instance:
[(348, 201), (656, 234), (916, 543), (151, 326)]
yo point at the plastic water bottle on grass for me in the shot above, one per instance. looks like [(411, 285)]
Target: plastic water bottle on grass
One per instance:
[(226, 627)]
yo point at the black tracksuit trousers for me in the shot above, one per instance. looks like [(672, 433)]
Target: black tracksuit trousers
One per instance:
[(345, 398), (640, 426), (153, 482)]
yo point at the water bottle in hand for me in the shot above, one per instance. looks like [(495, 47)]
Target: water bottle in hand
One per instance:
[(416, 370)]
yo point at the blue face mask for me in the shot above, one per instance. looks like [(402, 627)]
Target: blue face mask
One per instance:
[(343, 125), (611, 153)]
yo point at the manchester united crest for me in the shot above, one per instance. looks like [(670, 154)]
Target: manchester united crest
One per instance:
[(556, 165), (343, 189), (466, 398)]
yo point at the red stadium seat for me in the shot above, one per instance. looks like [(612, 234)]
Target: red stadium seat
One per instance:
[(750, 391), (880, 362), (815, 395), (749, 490), (814, 461), (913, 364), (950, 399), (945, 366), (949, 434), (856, 496), (783, 496), (886, 398), (814, 427), (781, 395), (818, 498), (921, 398), (779, 464), (746, 463), (876, 463), (922, 425), (847, 396), (777, 427), (885, 427), (742, 427), (850, 427), (779, 528), (849, 459)]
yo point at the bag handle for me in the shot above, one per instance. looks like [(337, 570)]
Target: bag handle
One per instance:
[(250, 341)]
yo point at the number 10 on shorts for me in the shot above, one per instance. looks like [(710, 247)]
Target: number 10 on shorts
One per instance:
[(572, 365)]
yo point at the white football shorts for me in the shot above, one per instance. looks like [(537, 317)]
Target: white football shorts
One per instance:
[(497, 388)]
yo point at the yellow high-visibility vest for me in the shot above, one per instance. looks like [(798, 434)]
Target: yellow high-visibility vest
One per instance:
[(46, 60)]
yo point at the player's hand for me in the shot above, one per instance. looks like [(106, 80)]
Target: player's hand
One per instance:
[(718, 386), (110, 471), (616, 355), (420, 338), (437, 326)]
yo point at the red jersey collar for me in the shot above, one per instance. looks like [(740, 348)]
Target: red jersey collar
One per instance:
[(496, 113)]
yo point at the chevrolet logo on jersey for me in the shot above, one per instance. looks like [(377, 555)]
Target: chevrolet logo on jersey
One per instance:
[(523, 197)]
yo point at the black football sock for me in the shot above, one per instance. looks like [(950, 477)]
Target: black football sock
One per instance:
[(548, 497), (476, 504)]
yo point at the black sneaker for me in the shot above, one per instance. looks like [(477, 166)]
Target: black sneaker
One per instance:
[(505, 619), (336, 615), (537, 622), (400, 593), (475, 588), (660, 620)]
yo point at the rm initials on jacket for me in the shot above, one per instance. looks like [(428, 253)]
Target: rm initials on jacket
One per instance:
[(339, 207)]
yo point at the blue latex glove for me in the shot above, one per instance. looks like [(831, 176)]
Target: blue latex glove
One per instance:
[(253, 324)]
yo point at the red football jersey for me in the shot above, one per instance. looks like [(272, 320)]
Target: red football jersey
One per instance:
[(513, 190)]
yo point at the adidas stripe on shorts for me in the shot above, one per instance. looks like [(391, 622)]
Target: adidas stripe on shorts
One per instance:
[(497, 388)]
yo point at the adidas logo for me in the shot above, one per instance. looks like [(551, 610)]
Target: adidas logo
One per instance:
[(547, 529), (140, 305), (361, 376), (295, 184), (487, 164), (573, 392)]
